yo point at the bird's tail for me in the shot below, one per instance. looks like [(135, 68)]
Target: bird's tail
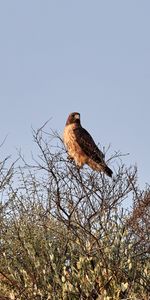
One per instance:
[(108, 171)]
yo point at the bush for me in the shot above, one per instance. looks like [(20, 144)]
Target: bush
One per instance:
[(65, 234)]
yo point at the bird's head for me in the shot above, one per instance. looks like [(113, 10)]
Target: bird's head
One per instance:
[(73, 118)]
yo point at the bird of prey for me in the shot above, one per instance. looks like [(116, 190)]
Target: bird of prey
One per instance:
[(81, 146)]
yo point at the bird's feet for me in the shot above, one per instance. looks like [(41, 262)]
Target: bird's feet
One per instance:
[(70, 158)]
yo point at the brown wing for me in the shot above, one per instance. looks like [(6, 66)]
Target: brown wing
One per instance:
[(88, 145)]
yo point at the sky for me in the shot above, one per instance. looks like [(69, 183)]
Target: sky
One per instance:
[(87, 56)]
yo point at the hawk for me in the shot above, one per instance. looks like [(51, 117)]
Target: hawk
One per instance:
[(81, 146)]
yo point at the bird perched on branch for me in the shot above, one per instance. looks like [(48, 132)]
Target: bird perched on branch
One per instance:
[(81, 146)]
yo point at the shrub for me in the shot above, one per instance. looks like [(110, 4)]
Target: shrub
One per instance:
[(65, 234)]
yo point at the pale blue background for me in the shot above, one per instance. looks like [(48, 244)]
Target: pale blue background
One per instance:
[(87, 56)]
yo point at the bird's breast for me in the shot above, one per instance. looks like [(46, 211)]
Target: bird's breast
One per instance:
[(72, 145), (68, 135)]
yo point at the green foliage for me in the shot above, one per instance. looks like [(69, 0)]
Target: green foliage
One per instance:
[(65, 236)]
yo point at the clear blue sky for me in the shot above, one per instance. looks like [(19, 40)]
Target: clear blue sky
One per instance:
[(87, 56)]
